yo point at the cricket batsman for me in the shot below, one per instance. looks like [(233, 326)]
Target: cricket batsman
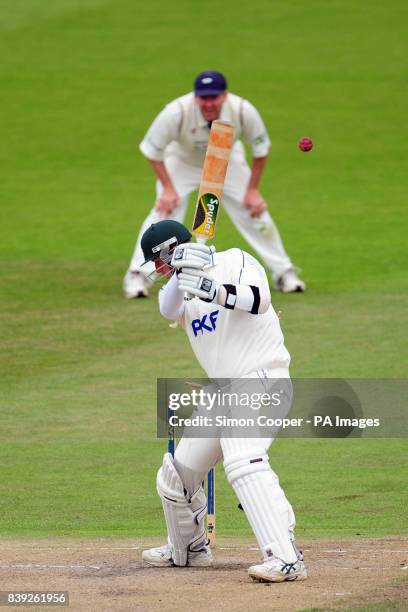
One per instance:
[(244, 341), (175, 146)]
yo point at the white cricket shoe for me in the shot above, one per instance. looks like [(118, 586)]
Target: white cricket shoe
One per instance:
[(289, 282), (161, 557), (276, 570), (135, 285)]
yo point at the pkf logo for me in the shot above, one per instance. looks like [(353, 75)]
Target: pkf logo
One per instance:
[(202, 324)]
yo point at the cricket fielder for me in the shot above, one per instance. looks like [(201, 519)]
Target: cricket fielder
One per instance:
[(175, 146), (238, 337)]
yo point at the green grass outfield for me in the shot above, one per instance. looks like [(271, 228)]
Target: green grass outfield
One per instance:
[(81, 80)]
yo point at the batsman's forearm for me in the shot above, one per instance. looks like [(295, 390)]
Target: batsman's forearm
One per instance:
[(171, 300), (250, 298), (160, 171), (258, 165)]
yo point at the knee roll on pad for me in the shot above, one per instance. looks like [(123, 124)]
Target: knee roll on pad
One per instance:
[(250, 461), (184, 515), (169, 483)]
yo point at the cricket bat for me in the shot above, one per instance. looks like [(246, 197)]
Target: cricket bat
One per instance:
[(204, 224), (212, 180)]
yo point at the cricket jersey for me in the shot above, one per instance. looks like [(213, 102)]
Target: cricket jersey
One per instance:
[(181, 130), (234, 343)]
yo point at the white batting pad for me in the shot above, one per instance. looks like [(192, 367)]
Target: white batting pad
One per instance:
[(184, 516), (263, 500)]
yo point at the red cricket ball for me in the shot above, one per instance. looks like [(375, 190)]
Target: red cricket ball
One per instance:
[(305, 144)]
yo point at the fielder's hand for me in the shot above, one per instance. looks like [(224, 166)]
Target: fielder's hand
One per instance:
[(198, 283), (254, 202), (192, 256), (167, 201)]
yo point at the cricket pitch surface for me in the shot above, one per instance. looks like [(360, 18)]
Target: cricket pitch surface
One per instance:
[(108, 574)]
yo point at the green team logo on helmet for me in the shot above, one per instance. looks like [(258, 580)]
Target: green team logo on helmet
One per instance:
[(206, 215)]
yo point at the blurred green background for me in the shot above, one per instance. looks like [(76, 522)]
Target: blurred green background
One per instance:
[(81, 80)]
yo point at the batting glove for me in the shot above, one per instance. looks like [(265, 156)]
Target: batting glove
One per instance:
[(192, 256), (197, 283)]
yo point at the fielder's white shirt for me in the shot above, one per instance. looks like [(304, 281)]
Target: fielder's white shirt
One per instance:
[(233, 343), (180, 129)]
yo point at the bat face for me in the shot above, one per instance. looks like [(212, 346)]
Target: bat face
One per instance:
[(212, 180)]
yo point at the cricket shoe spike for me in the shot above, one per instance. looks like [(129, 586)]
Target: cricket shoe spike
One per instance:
[(289, 282), (277, 570), (161, 557), (135, 285)]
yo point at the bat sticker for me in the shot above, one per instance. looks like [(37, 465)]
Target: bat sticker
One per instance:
[(206, 215)]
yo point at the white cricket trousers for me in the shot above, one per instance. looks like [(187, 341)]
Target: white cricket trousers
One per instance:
[(194, 457), (261, 232)]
